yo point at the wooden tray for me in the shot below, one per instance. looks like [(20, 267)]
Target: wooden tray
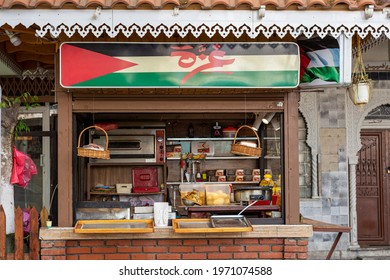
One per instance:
[(114, 226), (203, 226)]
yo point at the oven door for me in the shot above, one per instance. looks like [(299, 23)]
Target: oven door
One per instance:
[(129, 146)]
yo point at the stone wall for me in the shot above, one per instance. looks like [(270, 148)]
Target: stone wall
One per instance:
[(332, 205), (305, 190)]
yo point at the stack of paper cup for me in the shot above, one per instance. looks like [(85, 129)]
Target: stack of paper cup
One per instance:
[(160, 214)]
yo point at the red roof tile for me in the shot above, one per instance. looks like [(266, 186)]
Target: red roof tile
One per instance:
[(200, 4)]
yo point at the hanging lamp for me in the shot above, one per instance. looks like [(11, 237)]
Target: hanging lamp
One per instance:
[(360, 89)]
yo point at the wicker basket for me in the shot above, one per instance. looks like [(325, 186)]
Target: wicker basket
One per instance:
[(83, 152), (242, 150)]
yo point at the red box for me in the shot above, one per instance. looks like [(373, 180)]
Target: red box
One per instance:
[(263, 202), (145, 180)]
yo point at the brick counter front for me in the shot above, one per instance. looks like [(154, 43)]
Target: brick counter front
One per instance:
[(264, 242)]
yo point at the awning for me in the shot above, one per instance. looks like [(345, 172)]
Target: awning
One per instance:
[(252, 23)]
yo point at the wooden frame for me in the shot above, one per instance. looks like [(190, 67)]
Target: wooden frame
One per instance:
[(125, 226), (279, 101)]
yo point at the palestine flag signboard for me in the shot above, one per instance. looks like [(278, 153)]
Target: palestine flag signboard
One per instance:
[(126, 65)]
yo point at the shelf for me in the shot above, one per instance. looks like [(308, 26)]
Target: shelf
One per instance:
[(218, 158), (272, 157), (128, 194), (125, 164), (228, 182), (232, 208), (211, 139)]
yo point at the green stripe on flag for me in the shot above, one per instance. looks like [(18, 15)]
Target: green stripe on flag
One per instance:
[(261, 79), (324, 73)]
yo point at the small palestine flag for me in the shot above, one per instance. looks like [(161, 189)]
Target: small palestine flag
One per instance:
[(320, 59)]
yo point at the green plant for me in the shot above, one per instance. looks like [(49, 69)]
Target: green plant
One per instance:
[(25, 99)]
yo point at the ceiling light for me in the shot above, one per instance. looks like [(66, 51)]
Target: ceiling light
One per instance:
[(268, 117), (14, 39), (275, 124), (97, 12), (257, 123), (262, 11), (369, 11)]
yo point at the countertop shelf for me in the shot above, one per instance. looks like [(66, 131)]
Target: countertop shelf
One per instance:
[(218, 158), (227, 182), (231, 208), (211, 139), (129, 194)]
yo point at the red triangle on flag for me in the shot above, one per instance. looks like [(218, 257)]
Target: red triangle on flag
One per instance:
[(78, 65)]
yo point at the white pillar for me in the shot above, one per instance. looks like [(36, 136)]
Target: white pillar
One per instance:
[(353, 160), (6, 189)]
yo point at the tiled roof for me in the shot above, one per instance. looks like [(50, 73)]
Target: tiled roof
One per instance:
[(198, 4)]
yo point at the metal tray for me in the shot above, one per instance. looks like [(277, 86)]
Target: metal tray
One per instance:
[(114, 226), (206, 225), (229, 221)]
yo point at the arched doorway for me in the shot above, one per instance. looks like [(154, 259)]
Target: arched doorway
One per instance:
[(373, 179)]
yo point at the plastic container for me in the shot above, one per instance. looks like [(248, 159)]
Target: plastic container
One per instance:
[(186, 189), (217, 194), (229, 132)]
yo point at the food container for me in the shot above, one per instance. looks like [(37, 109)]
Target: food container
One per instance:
[(219, 172), (221, 178), (239, 178), (186, 189), (239, 172), (231, 178), (230, 172), (217, 194), (248, 178), (256, 178), (229, 132)]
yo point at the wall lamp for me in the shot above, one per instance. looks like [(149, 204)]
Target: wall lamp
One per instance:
[(369, 11), (14, 39), (97, 12), (268, 117), (258, 121), (275, 124), (386, 11), (262, 11), (176, 10)]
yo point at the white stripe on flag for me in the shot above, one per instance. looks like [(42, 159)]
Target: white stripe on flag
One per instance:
[(241, 63), (325, 57)]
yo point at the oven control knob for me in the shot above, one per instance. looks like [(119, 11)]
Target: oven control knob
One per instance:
[(160, 139)]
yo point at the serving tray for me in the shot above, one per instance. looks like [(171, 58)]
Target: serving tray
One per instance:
[(114, 226), (225, 224)]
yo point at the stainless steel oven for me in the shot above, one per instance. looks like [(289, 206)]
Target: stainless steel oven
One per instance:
[(132, 145)]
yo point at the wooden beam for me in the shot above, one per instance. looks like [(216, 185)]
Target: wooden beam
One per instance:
[(3, 235), (291, 183), (34, 234), (19, 247), (65, 216)]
